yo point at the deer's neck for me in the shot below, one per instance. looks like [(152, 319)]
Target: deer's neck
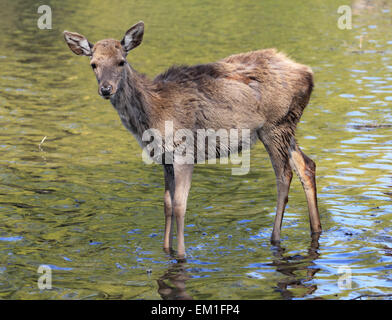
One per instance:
[(133, 102)]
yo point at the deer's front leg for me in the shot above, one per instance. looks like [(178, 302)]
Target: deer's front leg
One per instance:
[(182, 183), (169, 193)]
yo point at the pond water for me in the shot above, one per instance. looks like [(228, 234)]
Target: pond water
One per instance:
[(83, 202)]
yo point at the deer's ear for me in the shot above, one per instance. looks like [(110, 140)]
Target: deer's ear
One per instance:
[(133, 37), (78, 43)]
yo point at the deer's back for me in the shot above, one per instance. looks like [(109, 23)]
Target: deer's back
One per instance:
[(241, 91)]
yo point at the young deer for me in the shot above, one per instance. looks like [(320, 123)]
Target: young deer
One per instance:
[(263, 91)]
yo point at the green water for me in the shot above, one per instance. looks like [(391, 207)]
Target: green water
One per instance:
[(84, 202)]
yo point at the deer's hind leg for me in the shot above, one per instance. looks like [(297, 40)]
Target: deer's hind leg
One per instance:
[(305, 168), (277, 145)]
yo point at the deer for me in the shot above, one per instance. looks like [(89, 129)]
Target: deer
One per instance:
[(263, 91)]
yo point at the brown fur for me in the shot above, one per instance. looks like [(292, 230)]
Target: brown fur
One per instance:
[(263, 91)]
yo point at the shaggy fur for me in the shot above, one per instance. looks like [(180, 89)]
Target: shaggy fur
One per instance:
[(263, 91)]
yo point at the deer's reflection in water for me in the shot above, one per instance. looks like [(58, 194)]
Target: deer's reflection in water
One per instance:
[(292, 266), (171, 286)]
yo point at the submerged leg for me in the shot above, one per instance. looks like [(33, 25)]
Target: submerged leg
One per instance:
[(305, 168), (280, 163), (169, 217), (283, 180), (182, 182)]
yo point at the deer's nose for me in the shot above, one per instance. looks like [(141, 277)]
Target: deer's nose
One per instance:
[(106, 90)]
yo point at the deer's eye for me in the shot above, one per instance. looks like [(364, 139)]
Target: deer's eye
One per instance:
[(93, 65), (121, 63)]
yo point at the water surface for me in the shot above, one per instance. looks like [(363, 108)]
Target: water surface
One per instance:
[(84, 203)]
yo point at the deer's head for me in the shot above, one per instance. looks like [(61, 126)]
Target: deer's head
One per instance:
[(107, 57)]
